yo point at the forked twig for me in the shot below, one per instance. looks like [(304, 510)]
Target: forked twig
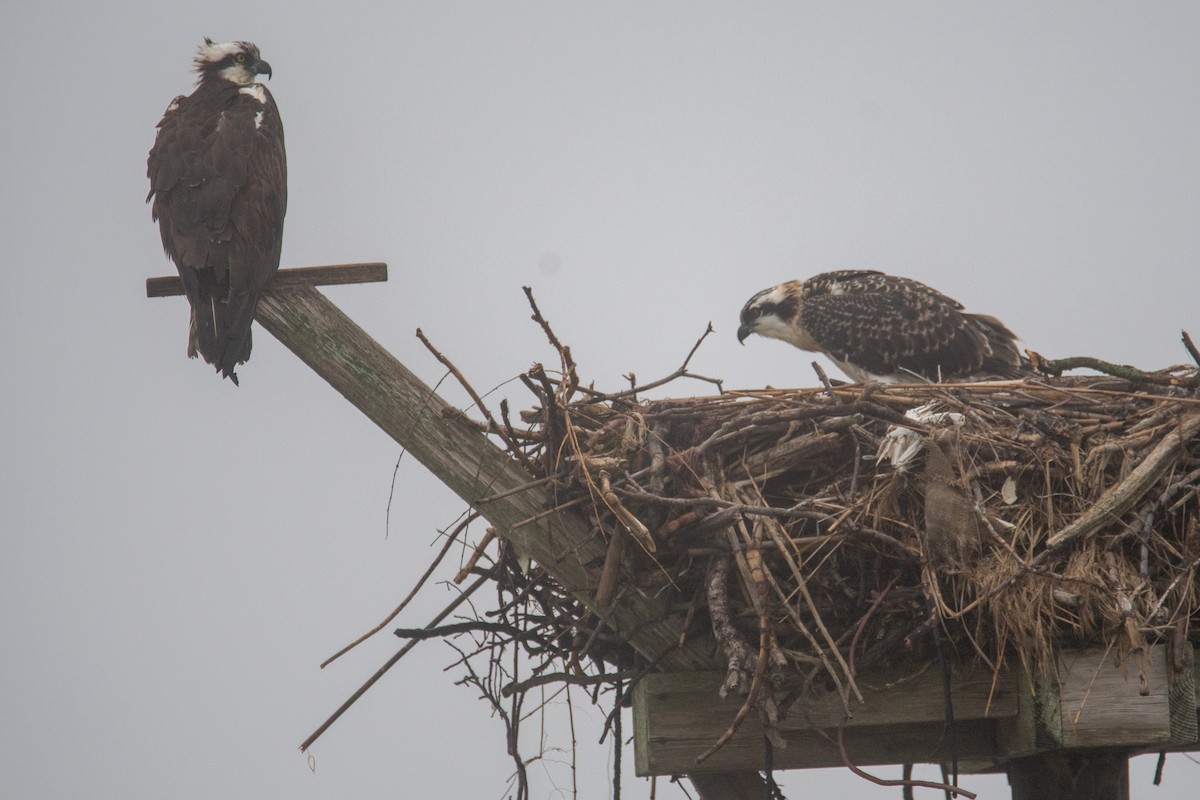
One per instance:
[(564, 353), (681, 372)]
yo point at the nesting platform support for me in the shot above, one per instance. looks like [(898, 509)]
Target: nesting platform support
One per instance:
[(463, 458), (1088, 718), (1071, 775)]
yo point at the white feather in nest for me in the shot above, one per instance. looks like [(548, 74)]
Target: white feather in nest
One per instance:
[(900, 444)]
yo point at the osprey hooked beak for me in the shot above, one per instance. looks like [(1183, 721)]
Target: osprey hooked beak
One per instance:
[(262, 68), (751, 313)]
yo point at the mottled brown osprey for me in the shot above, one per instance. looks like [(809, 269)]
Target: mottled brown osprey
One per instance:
[(218, 179), (884, 328)]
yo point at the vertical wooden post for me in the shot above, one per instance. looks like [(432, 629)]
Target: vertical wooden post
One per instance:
[(1071, 775)]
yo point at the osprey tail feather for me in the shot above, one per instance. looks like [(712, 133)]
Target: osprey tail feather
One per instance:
[(220, 330)]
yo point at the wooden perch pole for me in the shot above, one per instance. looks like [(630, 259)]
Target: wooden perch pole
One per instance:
[(422, 423), (369, 272)]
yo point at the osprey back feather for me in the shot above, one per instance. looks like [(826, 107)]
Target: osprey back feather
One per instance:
[(218, 182), (884, 328)]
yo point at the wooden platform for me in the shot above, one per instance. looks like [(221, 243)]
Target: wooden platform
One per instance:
[(1094, 703)]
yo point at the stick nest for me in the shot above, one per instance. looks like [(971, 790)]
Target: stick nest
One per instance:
[(815, 532), (823, 528), (1029, 515)]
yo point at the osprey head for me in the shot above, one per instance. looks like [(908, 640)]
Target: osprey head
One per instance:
[(237, 62), (772, 312)]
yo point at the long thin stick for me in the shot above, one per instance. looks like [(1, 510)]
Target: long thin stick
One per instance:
[(391, 662), (413, 593)]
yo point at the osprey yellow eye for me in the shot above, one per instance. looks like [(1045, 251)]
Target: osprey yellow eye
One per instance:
[(240, 58)]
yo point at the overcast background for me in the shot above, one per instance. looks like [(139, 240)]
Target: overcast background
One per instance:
[(180, 554)]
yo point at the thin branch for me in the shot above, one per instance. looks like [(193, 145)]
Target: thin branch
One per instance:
[(945, 787), (1190, 346), (564, 352), (462, 526), (471, 626), (824, 379), (569, 678), (681, 372), (1056, 367), (391, 662), (488, 536), (493, 426)]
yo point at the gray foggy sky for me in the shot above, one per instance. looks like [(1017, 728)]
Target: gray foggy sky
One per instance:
[(181, 554)]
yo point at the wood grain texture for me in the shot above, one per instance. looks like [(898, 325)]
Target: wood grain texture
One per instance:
[(1091, 704), (1101, 705), (368, 272), (678, 716)]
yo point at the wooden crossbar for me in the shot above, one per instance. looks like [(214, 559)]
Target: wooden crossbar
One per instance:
[(329, 275)]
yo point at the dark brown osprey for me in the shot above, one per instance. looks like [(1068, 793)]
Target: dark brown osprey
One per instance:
[(884, 328), (218, 178)]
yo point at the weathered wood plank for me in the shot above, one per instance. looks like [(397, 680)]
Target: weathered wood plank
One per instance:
[(367, 272), (1093, 703), (1100, 704), (1182, 692), (678, 716)]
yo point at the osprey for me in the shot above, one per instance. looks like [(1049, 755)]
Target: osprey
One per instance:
[(218, 179), (884, 328)]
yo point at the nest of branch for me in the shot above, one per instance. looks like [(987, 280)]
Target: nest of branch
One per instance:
[(1014, 516), (816, 532)]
